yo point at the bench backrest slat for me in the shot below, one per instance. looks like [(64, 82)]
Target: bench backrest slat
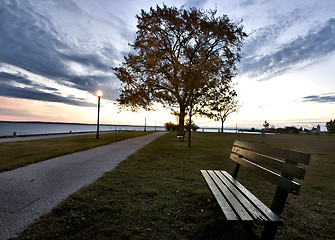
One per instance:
[(271, 176), (277, 165), (294, 156), (280, 165)]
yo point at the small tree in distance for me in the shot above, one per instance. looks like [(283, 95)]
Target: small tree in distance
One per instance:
[(169, 126), (220, 103)]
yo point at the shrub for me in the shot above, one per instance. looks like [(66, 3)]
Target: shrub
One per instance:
[(194, 127), (169, 126)]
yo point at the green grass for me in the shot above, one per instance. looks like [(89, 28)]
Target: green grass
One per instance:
[(158, 193), (18, 154)]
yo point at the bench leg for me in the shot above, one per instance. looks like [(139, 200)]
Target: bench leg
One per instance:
[(269, 232), (249, 230)]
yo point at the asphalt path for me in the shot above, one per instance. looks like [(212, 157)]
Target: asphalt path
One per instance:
[(32, 191)]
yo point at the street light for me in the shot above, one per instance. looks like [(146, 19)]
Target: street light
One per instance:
[(99, 95)]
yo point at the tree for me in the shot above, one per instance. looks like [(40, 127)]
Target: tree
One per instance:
[(219, 103), (177, 56), (169, 126), (266, 125), (331, 126)]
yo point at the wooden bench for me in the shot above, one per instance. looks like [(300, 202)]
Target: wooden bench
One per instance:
[(277, 165), (181, 137)]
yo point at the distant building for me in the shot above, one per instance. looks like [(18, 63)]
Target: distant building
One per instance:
[(316, 130)]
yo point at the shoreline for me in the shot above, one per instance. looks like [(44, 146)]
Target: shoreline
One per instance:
[(61, 133), (10, 129)]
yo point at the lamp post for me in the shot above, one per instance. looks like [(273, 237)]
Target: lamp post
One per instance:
[(99, 94)]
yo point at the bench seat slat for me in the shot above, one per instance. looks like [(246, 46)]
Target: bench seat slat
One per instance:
[(261, 206), (254, 212), (227, 210), (233, 201), (242, 205)]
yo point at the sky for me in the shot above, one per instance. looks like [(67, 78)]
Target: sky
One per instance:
[(55, 55)]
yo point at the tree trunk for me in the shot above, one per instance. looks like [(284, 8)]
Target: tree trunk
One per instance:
[(189, 129), (222, 121), (190, 120), (181, 127)]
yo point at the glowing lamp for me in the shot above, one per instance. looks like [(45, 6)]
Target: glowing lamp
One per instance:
[(99, 94)]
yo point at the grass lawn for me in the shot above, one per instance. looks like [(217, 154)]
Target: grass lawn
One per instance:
[(158, 193), (18, 154)]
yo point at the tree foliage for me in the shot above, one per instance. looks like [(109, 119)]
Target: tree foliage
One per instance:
[(331, 126), (219, 103), (177, 57), (170, 126)]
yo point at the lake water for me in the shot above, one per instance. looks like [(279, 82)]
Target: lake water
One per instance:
[(32, 128)]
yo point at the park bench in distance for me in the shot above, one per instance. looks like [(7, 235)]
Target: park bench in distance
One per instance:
[(181, 137), (239, 204)]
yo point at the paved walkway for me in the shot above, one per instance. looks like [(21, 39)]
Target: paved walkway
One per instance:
[(29, 192)]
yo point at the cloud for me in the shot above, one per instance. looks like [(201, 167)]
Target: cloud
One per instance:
[(20, 87), (10, 79), (244, 3), (31, 41), (323, 98), (313, 46), (196, 3)]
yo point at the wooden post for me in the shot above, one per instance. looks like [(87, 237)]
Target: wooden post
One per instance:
[(263, 136)]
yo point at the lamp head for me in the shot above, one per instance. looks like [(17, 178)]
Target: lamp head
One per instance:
[(99, 93)]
